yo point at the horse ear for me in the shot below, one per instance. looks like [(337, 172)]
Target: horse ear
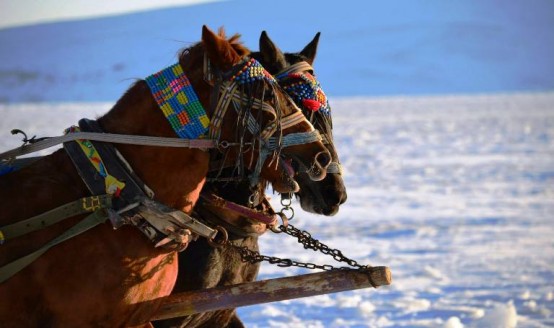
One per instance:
[(310, 50), (219, 50), (271, 55)]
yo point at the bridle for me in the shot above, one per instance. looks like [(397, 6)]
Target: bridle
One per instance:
[(268, 140), (306, 91)]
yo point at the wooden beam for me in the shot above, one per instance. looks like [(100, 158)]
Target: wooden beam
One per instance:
[(271, 290)]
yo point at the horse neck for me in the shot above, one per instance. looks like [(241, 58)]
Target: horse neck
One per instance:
[(176, 175)]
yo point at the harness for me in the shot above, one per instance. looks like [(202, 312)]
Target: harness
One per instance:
[(306, 91), (254, 219), (230, 85), (118, 194)]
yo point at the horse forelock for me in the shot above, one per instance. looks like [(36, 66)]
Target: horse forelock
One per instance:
[(235, 42)]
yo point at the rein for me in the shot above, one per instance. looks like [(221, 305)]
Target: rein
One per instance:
[(213, 199), (180, 105), (128, 139)]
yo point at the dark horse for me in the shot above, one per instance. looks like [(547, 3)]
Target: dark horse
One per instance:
[(203, 266), (115, 278)]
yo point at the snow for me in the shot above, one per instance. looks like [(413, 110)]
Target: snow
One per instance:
[(454, 193), (453, 322), (501, 315)]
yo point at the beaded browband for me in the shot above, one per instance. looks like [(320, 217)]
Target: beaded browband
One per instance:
[(252, 71), (304, 88)]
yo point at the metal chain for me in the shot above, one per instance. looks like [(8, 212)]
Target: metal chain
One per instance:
[(304, 238), (286, 201)]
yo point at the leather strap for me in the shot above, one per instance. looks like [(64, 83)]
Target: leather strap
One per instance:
[(268, 219), (91, 221), (108, 137), (80, 206)]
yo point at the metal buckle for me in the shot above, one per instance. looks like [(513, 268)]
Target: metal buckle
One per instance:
[(221, 241), (91, 203)]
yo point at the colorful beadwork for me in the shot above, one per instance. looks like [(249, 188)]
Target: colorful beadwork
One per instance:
[(306, 91), (113, 186), (176, 98), (252, 71)]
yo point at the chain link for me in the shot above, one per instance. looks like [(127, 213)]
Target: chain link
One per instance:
[(286, 201), (306, 239)]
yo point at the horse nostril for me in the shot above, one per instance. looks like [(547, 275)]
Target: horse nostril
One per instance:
[(343, 199), (323, 159)]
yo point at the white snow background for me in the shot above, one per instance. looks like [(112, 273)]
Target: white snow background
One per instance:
[(454, 193)]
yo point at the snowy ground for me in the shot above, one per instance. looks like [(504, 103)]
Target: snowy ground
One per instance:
[(454, 194)]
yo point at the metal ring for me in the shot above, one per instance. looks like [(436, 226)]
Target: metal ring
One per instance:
[(222, 145), (221, 242), (288, 208), (286, 201), (285, 222)]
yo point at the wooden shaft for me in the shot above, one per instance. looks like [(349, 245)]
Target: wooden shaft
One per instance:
[(272, 290)]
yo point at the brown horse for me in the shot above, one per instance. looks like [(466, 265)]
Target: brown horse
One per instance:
[(201, 265), (322, 197), (115, 278)]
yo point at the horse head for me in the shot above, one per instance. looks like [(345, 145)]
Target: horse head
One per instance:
[(295, 74), (268, 130)]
